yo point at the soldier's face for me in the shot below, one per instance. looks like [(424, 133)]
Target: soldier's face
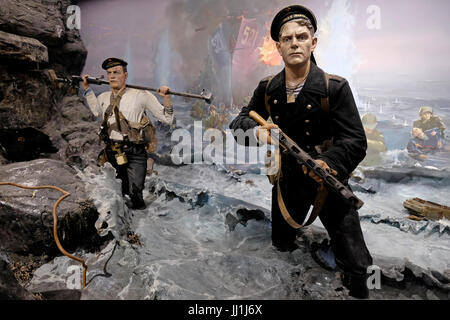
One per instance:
[(296, 44), (116, 77), (426, 116), (418, 133)]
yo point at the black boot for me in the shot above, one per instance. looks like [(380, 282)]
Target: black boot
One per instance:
[(357, 285), (137, 202), (137, 199), (285, 246), (323, 254), (138, 205)]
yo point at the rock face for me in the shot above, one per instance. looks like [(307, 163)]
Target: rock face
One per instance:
[(22, 48), (34, 37), (39, 120), (45, 21), (73, 131), (26, 222), (27, 99), (37, 19)]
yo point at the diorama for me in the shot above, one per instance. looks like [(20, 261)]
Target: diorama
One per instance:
[(123, 175)]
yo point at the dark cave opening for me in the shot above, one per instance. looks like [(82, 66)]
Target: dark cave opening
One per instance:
[(24, 144)]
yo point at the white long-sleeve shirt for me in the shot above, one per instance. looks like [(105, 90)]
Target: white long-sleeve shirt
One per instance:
[(132, 105)]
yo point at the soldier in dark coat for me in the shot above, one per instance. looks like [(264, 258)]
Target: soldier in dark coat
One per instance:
[(295, 106)]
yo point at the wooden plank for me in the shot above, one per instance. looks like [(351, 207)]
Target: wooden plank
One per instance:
[(427, 209)]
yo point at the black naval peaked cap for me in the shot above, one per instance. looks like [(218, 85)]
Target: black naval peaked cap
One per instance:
[(288, 14), (112, 62)]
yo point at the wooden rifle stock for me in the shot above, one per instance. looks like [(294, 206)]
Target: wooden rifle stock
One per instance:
[(305, 159)]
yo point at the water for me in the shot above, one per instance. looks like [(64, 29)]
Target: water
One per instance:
[(190, 252)]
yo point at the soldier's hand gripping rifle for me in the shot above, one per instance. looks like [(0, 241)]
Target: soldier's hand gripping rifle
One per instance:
[(303, 158), (75, 80)]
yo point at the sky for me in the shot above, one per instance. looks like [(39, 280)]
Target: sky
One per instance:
[(399, 47)]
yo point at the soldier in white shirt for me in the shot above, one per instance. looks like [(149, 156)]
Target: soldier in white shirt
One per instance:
[(124, 126)]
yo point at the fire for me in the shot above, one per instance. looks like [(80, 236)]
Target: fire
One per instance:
[(268, 53)]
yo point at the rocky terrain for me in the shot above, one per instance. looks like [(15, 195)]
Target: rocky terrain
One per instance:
[(39, 120)]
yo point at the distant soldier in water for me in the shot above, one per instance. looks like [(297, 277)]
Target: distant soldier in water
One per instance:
[(429, 121), (424, 143), (375, 140)]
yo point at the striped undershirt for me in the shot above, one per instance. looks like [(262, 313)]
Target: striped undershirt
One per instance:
[(294, 91)]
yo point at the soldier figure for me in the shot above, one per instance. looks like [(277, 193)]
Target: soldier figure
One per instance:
[(375, 140), (296, 99), (126, 130), (423, 143), (429, 121)]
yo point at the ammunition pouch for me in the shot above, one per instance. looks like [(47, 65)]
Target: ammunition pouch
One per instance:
[(118, 148), (102, 158), (143, 132)]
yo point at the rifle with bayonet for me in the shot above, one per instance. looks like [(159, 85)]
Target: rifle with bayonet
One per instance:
[(303, 158), (75, 80)]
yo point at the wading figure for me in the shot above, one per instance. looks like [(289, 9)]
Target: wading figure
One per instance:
[(375, 140), (126, 130), (429, 121), (318, 112)]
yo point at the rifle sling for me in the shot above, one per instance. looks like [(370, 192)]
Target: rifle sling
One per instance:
[(322, 191), (113, 108)]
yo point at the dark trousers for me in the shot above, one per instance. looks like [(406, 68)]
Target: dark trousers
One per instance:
[(340, 220), (133, 172)]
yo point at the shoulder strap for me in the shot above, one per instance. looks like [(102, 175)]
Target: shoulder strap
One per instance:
[(266, 97), (116, 108), (325, 102), (112, 106)]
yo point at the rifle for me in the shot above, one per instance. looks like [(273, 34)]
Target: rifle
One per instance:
[(303, 158), (75, 80)]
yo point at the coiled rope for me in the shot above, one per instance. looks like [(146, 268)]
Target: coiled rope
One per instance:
[(55, 222)]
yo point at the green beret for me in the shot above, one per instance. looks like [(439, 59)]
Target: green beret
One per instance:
[(112, 62), (288, 14)]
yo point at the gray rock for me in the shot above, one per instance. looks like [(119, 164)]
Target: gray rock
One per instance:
[(26, 219), (22, 48), (27, 99), (74, 133), (34, 18), (431, 295)]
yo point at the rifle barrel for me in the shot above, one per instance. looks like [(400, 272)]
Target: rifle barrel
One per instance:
[(206, 97)]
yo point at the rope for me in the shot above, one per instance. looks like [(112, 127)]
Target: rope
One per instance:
[(55, 222)]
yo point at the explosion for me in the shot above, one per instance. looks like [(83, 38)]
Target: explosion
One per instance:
[(268, 53)]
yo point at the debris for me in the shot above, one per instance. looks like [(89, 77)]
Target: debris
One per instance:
[(23, 271), (134, 239), (428, 209)]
